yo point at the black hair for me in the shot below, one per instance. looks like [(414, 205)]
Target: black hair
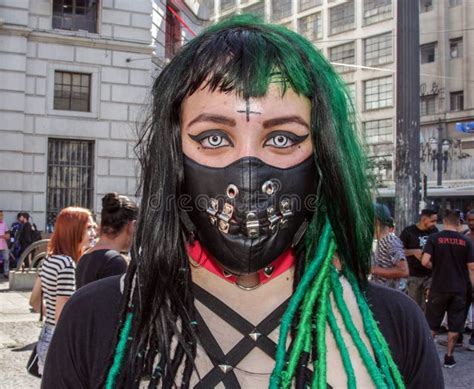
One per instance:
[(428, 212), (117, 212), (24, 214)]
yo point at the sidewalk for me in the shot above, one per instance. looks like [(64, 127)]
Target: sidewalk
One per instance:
[(18, 328)]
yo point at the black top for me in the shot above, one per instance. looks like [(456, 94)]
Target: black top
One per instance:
[(414, 238), (99, 264), (83, 337), (450, 253)]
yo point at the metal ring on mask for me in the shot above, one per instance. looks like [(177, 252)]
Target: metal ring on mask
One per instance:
[(247, 288)]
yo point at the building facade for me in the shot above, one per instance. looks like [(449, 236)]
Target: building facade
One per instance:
[(359, 38), (75, 78)]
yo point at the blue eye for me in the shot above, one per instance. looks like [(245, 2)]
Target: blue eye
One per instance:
[(284, 139), (212, 139)]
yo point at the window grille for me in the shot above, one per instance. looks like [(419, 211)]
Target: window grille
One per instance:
[(210, 6), (343, 54), (307, 4), (341, 17), (311, 27), (428, 53), (281, 9), (427, 105), (457, 101), (257, 9), (455, 3), (70, 175), (377, 10), (455, 48), (378, 93), (351, 88), (381, 167), (426, 5), (227, 5), (378, 49), (378, 131), (75, 15), (72, 91)]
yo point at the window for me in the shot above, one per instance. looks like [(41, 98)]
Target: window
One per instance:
[(70, 175), (378, 49), (455, 3), (257, 9), (457, 101), (341, 17), (210, 6), (343, 54), (281, 9), (378, 93), (428, 53), (351, 89), (455, 48), (72, 91), (311, 26), (427, 105), (378, 131), (75, 15), (307, 4), (381, 167), (426, 5), (377, 10), (172, 32), (227, 5)]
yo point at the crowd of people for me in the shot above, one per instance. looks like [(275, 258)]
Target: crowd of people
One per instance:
[(16, 239), (440, 272), (75, 258)]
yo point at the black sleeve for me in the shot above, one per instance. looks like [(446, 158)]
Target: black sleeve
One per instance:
[(114, 266), (470, 251), (404, 238), (429, 245), (404, 326), (25, 236), (83, 337)]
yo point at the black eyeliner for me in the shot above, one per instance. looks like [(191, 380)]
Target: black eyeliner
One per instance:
[(206, 134), (296, 139)]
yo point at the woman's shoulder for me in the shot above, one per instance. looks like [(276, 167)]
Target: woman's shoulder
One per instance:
[(59, 260), (105, 293)]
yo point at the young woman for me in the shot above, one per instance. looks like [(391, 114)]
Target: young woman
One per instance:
[(117, 225), (390, 263), (250, 260), (56, 281)]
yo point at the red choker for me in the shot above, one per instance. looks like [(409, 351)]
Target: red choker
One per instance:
[(200, 255)]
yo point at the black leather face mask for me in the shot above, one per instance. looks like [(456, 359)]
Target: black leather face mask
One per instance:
[(247, 213)]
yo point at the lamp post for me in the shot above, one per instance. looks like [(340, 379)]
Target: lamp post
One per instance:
[(439, 151)]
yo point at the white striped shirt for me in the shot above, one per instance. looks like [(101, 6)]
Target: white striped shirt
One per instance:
[(57, 279)]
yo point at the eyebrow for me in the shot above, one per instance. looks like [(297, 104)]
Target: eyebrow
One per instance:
[(214, 118), (284, 120)]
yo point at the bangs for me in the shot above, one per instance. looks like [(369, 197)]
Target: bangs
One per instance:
[(232, 60)]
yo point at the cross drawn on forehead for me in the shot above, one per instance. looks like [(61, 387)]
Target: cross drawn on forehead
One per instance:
[(247, 110)]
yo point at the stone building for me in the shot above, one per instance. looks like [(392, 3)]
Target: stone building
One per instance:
[(360, 37), (74, 81)]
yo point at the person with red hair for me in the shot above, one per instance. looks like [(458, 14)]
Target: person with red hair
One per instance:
[(56, 281)]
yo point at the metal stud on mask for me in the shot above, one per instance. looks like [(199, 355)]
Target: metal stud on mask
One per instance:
[(251, 210)]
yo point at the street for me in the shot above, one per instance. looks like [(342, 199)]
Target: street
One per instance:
[(20, 328)]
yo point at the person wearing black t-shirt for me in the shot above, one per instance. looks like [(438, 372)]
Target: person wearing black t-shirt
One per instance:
[(451, 257), (414, 238), (116, 231)]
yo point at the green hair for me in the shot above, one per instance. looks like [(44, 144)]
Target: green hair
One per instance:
[(244, 55)]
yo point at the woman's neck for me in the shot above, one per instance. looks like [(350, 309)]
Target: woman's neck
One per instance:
[(105, 242)]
